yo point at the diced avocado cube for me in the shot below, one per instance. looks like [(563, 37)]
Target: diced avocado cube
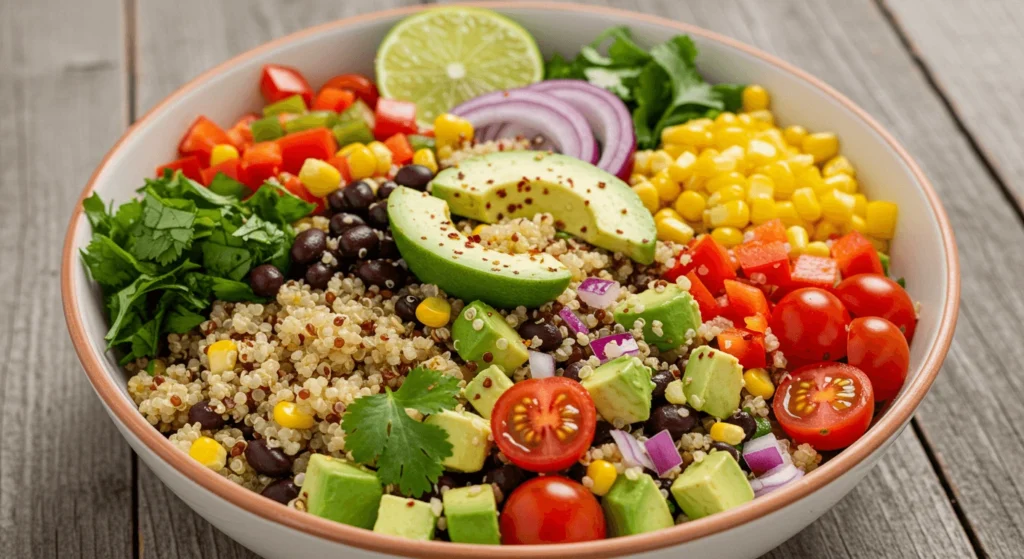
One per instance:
[(712, 485), (621, 389), (472, 515), (470, 437), (485, 389), (635, 506), (342, 492), (667, 314), (481, 335), (713, 381), (408, 518)]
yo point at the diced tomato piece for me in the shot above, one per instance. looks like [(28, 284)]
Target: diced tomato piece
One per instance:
[(294, 185), (705, 300), (260, 162), (341, 164), (769, 231), (756, 323), (231, 168), (401, 149), (744, 300), (362, 86), (333, 99), (189, 166), (279, 82), (768, 259), (394, 117), (241, 133), (814, 271), (856, 255), (200, 139), (316, 143), (709, 259), (745, 345)]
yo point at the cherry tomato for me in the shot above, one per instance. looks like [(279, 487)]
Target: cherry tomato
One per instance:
[(544, 425), (358, 84), (810, 324), (280, 82), (828, 405), (877, 347), (551, 509), (877, 295)]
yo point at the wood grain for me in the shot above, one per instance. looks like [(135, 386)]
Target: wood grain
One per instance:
[(65, 473)]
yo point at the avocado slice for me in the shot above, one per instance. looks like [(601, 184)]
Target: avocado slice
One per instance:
[(485, 389), (481, 335), (673, 307), (470, 436), (584, 200), (404, 517), (342, 492), (712, 485), (472, 515), (712, 382), (635, 506), (621, 389), (438, 253)]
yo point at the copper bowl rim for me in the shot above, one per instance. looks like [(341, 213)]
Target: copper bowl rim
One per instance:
[(887, 426)]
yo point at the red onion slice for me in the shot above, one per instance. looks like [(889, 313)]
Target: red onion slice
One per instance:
[(633, 454), (616, 345), (573, 322), (542, 365), (775, 479), (763, 454), (598, 293), (663, 452)]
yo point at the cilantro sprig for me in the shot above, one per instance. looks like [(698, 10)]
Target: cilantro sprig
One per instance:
[(407, 452)]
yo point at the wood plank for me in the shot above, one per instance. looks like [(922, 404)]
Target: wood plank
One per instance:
[(174, 45), (65, 473)]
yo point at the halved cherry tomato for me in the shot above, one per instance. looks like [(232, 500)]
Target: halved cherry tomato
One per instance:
[(279, 82), (810, 324), (877, 295), (827, 405), (551, 509), (877, 347), (200, 139), (358, 84), (544, 425)]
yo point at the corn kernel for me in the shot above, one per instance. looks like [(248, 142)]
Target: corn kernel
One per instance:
[(760, 152), (695, 184), (675, 150), (690, 205), (837, 207), (349, 148), (727, 236), (818, 248), (361, 162), (760, 187), (725, 119), (434, 312), (782, 177), (726, 179), (222, 153), (860, 206), (744, 120), (209, 453), (648, 195), (881, 219), (603, 474), (797, 238), (671, 229), (682, 168), (642, 162), (667, 188), (794, 135), (774, 137), (806, 203), (755, 98), (426, 158), (690, 134), (762, 119), (727, 433), (444, 152), (221, 356), (825, 230), (759, 383), (479, 228), (660, 161), (735, 213), (786, 211), (810, 177), (383, 155), (319, 177), (451, 130), (800, 161), (838, 165), (635, 179), (708, 166), (667, 213), (727, 193), (858, 224), (821, 145), (841, 182), (737, 154), (731, 136), (881, 245), (290, 415), (762, 210)]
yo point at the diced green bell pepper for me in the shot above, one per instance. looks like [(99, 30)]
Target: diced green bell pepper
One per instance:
[(315, 119), (294, 105), (352, 131), (266, 129), (359, 111), (419, 142)]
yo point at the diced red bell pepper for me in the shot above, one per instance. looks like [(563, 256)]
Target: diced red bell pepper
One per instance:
[(394, 117), (360, 85), (744, 300), (241, 133), (260, 162), (767, 259), (856, 255), (200, 139), (341, 164), (231, 168), (705, 300), (294, 185), (756, 323), (401, 149), (280, 82), (814, 271), (709, 259), (745, 345), (315, 143), (769, 231), (333, 99), (189, 166)]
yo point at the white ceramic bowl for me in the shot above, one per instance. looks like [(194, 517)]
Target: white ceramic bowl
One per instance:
[(923, 252)]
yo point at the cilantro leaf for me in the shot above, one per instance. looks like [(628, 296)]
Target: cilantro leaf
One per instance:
[(110, 265), (163, 233), (257, 230), (227, 186), (97, 214), (407, 452), (225, 255), (130, 301), (274, 203)]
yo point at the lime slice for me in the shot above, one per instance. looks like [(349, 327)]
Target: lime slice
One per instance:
[(441, 57)]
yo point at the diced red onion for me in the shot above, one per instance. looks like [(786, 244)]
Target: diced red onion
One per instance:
[(633, 454), (663, 452), (573, 322), (775, 478), (763, 454), (542, 365), (598, 293), (625, 345)]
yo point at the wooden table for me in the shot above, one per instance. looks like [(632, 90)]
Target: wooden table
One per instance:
[(943, 75)]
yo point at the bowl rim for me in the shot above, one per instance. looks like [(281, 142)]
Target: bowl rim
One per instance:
[(899, 413)]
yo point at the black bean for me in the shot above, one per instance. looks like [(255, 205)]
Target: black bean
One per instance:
[(282, 491), (414, 176), (309, 246), (247, 431), (667, 417), (342, 222), (377, 215), (726, 447), (265, 280), (405, 308), (318, 274), (203, 414), (661, 380), (577, 354), (337, 202), (507, 477), (550, 336), (744, 420), (360, 242), (446, 480), (381, 273), (576, 471), (359, 196), (388, 247), (385, 189), (572, 370), (603, 433), (663, 483), (267, 461)]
